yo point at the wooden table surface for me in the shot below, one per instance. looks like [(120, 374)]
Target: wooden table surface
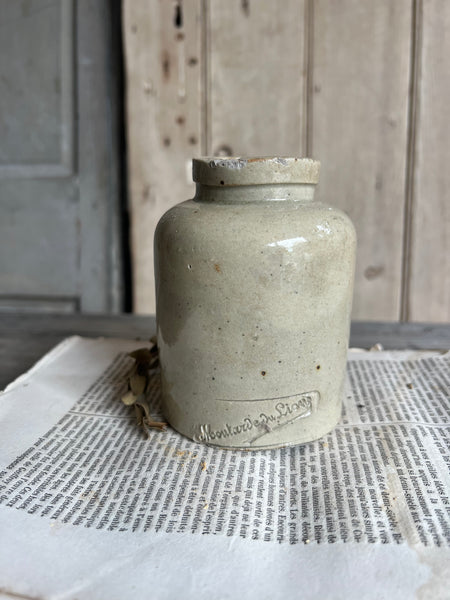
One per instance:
[(24, 338)]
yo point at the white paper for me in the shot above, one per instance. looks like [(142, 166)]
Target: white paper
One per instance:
[(90, 508)]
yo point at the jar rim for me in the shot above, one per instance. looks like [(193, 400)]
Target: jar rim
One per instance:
[(237, 170)]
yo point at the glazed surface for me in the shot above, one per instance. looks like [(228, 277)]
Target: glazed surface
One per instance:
[(254, 289)]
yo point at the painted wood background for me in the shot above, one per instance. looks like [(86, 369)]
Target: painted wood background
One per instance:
[(362, 86), (60, 246)]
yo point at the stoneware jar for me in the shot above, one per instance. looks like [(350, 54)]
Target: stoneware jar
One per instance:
[(254, 285)]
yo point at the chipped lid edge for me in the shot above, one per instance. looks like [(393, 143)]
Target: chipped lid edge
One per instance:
[(223, 171)]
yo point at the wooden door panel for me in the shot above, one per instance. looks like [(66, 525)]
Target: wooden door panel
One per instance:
[(59, 181), (36, 103)]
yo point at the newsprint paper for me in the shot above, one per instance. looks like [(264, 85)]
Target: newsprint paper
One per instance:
[(90, 508)]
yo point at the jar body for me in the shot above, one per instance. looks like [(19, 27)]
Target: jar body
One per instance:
[(254, 287)]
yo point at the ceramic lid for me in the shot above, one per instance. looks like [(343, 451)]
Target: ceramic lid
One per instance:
[(253, 171)]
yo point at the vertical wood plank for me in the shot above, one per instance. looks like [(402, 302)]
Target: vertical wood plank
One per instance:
[(429, 291), (361, 64), (163, 76), (98, 161), (256, 72)]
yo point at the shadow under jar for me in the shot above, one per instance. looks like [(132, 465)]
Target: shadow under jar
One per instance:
[(254, 283)]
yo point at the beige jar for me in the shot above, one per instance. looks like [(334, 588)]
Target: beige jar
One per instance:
[(254, 284)]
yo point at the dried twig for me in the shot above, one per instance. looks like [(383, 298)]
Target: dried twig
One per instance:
[(138, 380)]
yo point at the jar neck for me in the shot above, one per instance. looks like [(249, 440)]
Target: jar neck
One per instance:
[(279, 192)]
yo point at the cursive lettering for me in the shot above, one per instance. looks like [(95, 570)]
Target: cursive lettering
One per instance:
[(285, 412)]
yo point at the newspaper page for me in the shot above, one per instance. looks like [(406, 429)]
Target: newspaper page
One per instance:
[(91, 508)]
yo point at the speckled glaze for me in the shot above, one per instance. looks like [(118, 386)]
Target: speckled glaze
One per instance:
[(254, 283)]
